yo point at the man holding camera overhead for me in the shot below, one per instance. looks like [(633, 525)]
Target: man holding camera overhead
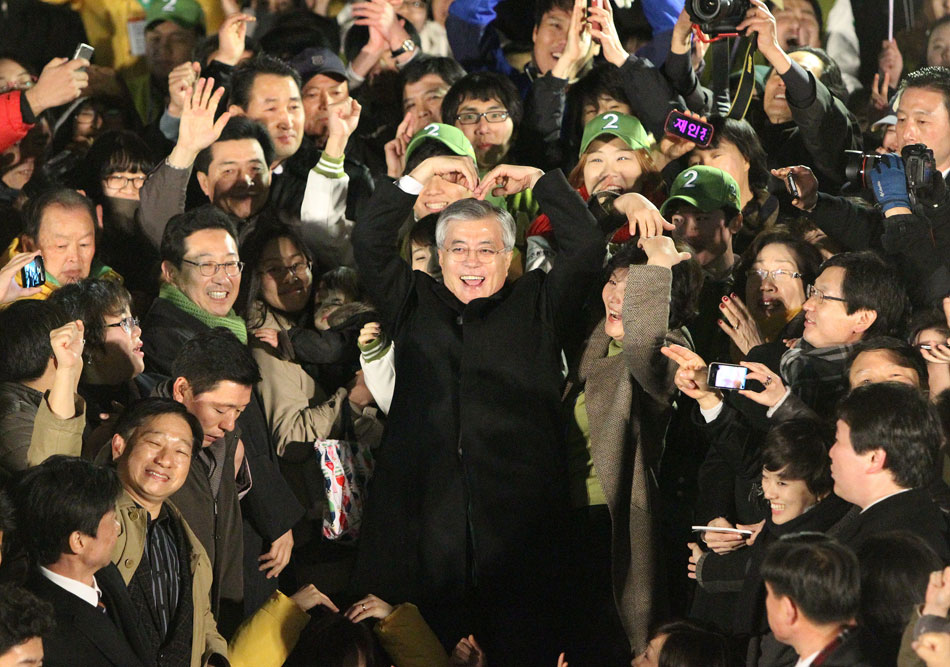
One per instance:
[(912, 220)]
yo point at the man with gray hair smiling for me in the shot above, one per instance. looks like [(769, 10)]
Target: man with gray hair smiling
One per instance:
[(470, 481)]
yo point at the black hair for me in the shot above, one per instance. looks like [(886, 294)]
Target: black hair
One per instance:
[(7, 518), (542, 7), (818, 573), (334, 641), (816, 7), (90, 300), (602, 80), (895, 570), (146, 409), (299, 29), (422, 232), (424, 150), (343, 279), (183, 225), (271, 225), (61, 495), (112, 152), (215, 356), (24, 338), (741, 134), (872, 284), (900, 352), (898, 419), (830, 74), (685, 288), (483, 86), (244, 75), (931, 78), (799, 448), (930, 318), (23, 616), (57, 196), (689, 644), (238, 127), (448, 69)]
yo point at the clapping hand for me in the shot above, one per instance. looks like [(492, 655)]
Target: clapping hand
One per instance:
[(579, 47), (181, 81), (604, 32)]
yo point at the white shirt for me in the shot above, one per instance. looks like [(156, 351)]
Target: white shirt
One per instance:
[(805, 662), (90, 594)]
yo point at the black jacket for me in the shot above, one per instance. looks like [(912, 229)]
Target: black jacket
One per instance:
[(84, 636), (470, 480)]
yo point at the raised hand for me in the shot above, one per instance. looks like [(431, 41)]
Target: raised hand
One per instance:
[(60, 82), (773, 387), (369, 607), (67, 342), (691, 376), (342, 119), (395, 149), (604, 32), (198, 129), (890, 61), (661, 251), (643, 217), (381, 15), (453, 168), (761, 21), (507, 179), (467, 653), (579, 47), (806, 183), (937, 597), (739, 324), (672, 148), (10, 289), (370, 332), (232, 36), (181, 81), (879, 92)]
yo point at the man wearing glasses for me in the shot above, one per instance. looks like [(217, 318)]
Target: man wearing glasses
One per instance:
[(469, 484), (486, 107)]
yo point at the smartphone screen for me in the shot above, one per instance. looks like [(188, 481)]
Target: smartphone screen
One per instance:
[(680, 125), (33, 274), (727, 376)]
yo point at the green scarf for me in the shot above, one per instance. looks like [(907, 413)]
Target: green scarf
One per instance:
[(231, 322)]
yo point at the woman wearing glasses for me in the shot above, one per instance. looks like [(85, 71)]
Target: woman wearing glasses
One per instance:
[(782, 265), (112, 174), (113, 361)]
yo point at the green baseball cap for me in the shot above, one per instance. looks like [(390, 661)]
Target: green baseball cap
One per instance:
[(451, 136), (706, 188), (186, 13), (627, 128)]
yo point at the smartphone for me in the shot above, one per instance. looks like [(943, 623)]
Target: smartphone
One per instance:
[(727, 376), (792, 186), (33, 274), (678, 124), (717, 529), (84, 51)]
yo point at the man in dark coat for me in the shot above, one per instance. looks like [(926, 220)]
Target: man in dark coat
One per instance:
[(70, 504), (470, 481)]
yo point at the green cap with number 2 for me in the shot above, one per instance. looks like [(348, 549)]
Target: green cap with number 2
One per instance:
[(451, 136), (186, 13), (627, 128), (706, 188)]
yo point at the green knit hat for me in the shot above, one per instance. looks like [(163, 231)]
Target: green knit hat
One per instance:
[(706, 188), (451, 136), (627, 128), (186, 13)]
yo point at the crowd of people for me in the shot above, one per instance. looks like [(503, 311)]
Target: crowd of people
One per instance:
[(407, 332)]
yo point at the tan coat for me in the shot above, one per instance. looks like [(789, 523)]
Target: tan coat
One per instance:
[(128, 552), (628, 400)]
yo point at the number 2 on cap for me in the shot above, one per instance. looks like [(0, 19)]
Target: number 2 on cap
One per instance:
[(611, 123), (691, 177), (431, 130)]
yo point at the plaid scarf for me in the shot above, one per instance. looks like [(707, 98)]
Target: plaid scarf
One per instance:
[(816, 375)]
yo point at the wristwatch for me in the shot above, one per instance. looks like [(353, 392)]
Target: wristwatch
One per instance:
[(407, 47)]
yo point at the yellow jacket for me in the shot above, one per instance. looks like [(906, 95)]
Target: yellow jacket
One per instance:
[(106, 23)]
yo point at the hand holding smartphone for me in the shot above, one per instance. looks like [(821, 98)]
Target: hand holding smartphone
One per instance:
[(33, 274), (683, 126), (727, 376)]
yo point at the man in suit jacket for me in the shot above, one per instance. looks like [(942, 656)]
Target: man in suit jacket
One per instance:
[(813, 586), (71, 504), (885, 455)]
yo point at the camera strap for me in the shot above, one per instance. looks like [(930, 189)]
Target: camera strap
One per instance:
[(743, 96)]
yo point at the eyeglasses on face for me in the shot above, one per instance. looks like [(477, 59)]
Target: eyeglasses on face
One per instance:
[(460, 253), (776, 275), (813, 292), (471, 117), (208, 269), (299, 270), (127, 324), (117, 182)]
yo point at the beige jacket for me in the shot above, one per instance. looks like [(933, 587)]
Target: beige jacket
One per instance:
[(52, 435), (127, 554)]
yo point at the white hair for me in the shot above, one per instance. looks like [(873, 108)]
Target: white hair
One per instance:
[(475, 209)]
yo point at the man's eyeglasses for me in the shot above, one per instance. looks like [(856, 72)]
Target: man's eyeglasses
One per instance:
[(208, 269), (299, 270), (127, 324), (117, 182), (460, 253), (776, 275), (813, 292), (471, 117)]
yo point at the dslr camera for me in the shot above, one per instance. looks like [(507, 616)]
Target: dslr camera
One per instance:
[(715, 17), (919, 166)]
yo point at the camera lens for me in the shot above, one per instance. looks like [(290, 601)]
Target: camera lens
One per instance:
[(706, 10)]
